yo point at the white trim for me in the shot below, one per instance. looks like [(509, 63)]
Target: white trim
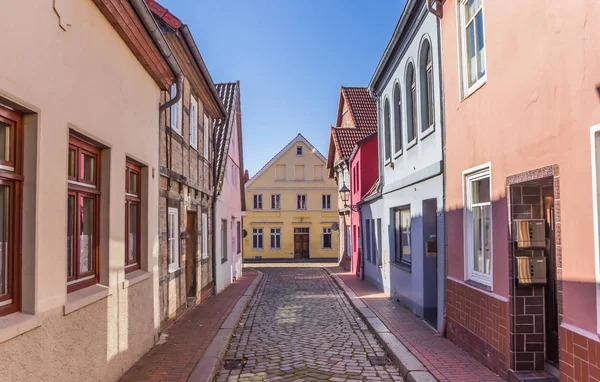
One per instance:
[(80, 184), (323, 238), (206, 148), (271, 247), (81, 279), (257, 234), (8, 302), (262, 202), (193, 122), (177, 128), (271, 202), (330, 202), (397, 153), (595, 157), (6, 168), (465, 90), (305, 202), (175, 264), (293, 142)]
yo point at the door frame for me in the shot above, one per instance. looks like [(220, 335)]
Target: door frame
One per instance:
[(294, 241)]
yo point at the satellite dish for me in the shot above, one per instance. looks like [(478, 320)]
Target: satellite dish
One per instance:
[(335, 226), (245, 233)]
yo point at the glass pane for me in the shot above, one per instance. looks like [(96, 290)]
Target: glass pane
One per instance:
[(472, 8), (481, 190), (480, 45), (133, 183), (406, 246), (86, 232), (87, 168), (477, 244), (70, 236), (429, 98), (72, 160), (4, 237), (4, 141), (133, 233), (471, 56), (487, 238)]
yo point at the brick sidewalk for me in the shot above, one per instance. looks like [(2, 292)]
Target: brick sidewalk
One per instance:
[(445, 360), (189, 337)]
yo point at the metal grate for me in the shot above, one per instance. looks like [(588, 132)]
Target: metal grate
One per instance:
[(379, 361), (234, 364)]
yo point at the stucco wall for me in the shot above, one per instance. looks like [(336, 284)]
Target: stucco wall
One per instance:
[(87, 79)]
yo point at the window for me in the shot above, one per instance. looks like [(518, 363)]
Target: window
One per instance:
[(478, 227), (133, 215), (326, 201), (204, 236), (275, 201), (239, 233), (397, 118), (223, 241), (388, 134), (301, 202), (258, 202), (402, 222), (299, 173), (193, 122), (175, 111), (379, 242), (11, 180), (367, 235), (327, 238), (411, 97), (275, 238), (374, 254), (257, 238), (472, 44), (426, 83), (205, 127), (318, 172), (173, 239), (83, 209), (280, 172), (299, 150)]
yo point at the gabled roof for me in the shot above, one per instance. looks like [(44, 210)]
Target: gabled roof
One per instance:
[(229, 93), (363, 113), (297, 139)]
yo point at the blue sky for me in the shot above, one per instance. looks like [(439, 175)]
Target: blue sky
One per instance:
[(291, 57)]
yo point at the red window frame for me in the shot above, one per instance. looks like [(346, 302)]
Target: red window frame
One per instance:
[(80, 189), (133, 198), (11, 176)]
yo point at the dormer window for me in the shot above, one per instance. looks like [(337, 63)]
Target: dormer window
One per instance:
[(299, 151)]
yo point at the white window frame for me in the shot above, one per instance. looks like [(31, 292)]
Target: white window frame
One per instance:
[(176, 110), (595, 157), (324, 231), (256, 198), (274, 232), (173, 239), (301, 151), (205, 127), (278, 202), (204, 236), (255, 232), (469, 176), (299, 197), (193, 122), (224, 256), (327, 199), (467, 90)]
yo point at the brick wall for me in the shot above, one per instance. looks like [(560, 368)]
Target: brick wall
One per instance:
[(579, 357), (478, 322)]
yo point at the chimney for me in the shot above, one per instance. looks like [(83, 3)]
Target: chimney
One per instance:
[(246, 177)]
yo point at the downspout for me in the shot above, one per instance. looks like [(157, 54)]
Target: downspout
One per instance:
[(438, 11)]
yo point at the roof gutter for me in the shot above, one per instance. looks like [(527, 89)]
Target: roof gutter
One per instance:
[(189, 40), (152, 27)]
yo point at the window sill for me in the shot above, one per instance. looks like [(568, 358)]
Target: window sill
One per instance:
[(173, 269), (388, 162), (479, 285), (427, 132), (85, 297), (16, 324), (476, 86), (411, 144), (135, 277), (397, 154), (404, 267), (223, 261)]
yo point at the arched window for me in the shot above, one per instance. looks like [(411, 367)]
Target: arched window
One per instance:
[(388, 136), (397, 118), (411, 104), (426, 84)]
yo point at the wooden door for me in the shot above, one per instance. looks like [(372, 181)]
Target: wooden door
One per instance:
[(190, 254), (301, 243)]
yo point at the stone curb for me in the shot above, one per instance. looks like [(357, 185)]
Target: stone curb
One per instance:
[(209, 364), (411, 369)]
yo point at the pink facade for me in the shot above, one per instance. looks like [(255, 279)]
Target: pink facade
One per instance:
[(528, 122), (363, 175)]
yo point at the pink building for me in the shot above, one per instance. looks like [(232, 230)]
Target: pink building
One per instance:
[(522, 115), (363, 175)]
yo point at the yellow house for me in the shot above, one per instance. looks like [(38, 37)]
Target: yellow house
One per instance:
[(292, 207)]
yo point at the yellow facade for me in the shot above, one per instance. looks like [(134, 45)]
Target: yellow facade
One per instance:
[(303, 233)]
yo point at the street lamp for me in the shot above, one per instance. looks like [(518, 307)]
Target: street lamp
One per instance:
[(345, 196)]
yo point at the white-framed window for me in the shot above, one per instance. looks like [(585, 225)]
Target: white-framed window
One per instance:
[(472, 43), (595, 142), (223, 241), (387, 130), (275, 238), (411, 105), (367, 235), (175, 111), (426, 87), (257, 202), (205, 128), (301, 202), (275, 201), (397, 101), (173, 239), (204, 236), (193, 122), (402, 236), (299, 151), (478, 225), (326, 201), (257, 238), (326, 239)]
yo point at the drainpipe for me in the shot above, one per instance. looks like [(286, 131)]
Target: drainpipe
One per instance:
[(437, 10)]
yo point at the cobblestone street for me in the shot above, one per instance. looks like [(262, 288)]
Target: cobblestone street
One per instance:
[(300, 327)]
